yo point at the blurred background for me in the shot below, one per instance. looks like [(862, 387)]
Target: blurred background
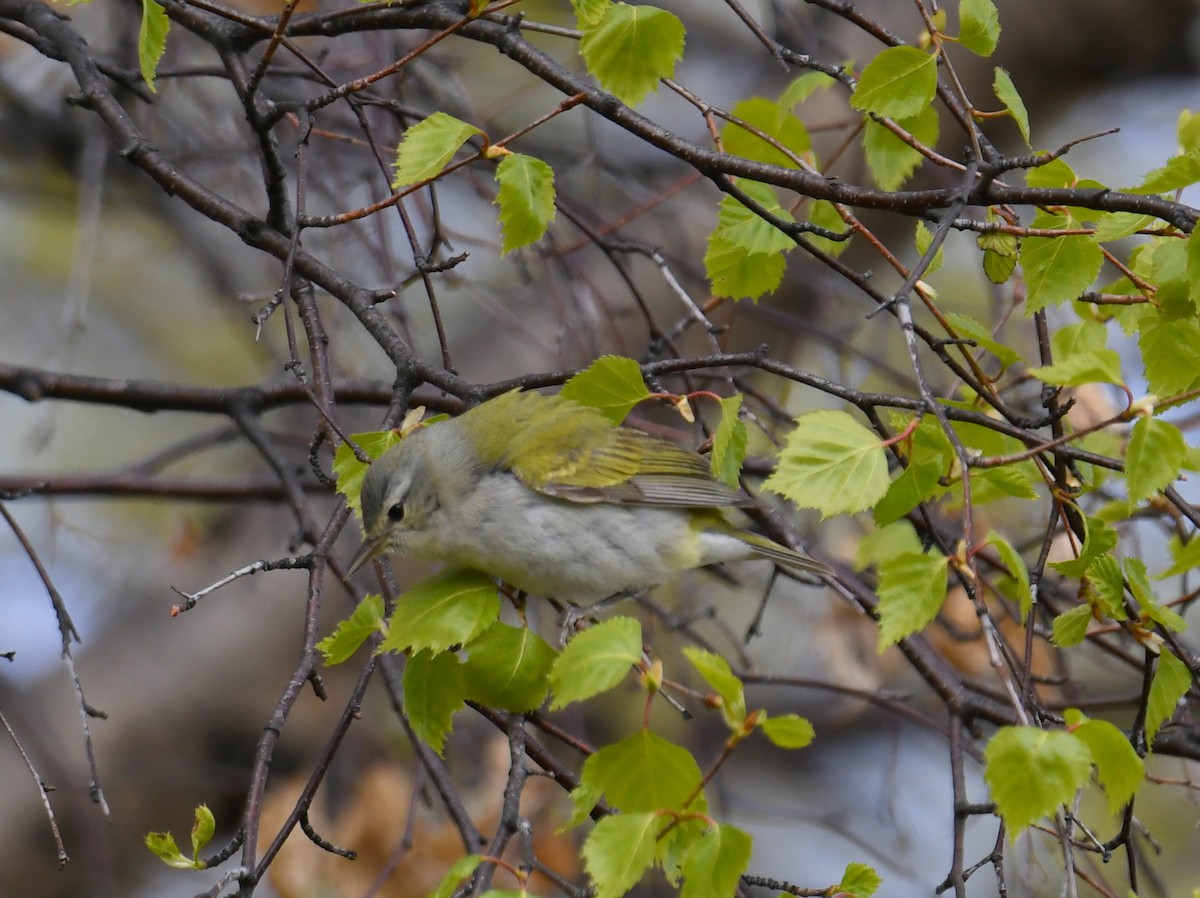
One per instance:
[(106, 276)]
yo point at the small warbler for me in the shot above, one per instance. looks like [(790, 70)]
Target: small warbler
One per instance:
[(556, 500)]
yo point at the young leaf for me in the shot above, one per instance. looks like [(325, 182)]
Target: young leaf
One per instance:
[(1100, 539), (1112, 226), (427, 147), (1006, 93), (1178, 173), (824, 214), (1070, 627), (1032, 772), (456, 875), (788, 730), (979, 26), (831, 463), (1118, 766), (774, 120), (804, 86), (886, 542), (1157, 452), (433, 692), (1139, 585), (890, 160), (352, 632), (1185, 558), (618, 851), (898, 83), (742, 227), (1171, 352), (589, 12), (595, 661), (720, 677), (526, 200), (714, 866), (912, 588), (612, 385), (729, 442), (350, 471), (1016, 568), (152, 40), (918, 482), (163, 846), (738, 274), (1058, 268), (204, 824), (923, 239), (643, 772), (858, 881), (965, 326), (1171, 681), (447, 609), (508, 667), (1081, 355), (631, 48)]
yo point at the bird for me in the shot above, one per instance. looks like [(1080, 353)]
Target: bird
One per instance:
[(557, 500)]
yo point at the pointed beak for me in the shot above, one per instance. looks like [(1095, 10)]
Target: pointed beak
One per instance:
[(372, 547)]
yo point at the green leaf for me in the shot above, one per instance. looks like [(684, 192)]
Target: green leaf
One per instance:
[(643, 772), (1006, 93), (349, 634), (1118, 225), (595, 661), (804, 86), (923, 239), (714, 866), (1019, 574), (916, 483), (204, 824), (1171, 352), (740, 226), (824, 214), (831, 463), (1118, 766), (526, 200), (774, 120), (1178, 173), (788, 730), (589, 12), (1058, 268), (745, 252), (152, 40), (1033, 772), (1139, 585), (965, 326), (618, 851), (350, 471), (427, 147), (631, 48), (979, 26), (164, 848), (1157, 452), (858, 881), (729, 442), (890, 160), (1070, 627), (737, 274), (1187, 129), (1185, 558), (1081, 355), (720, 677), (458, 873), (447, 609), (1171, 682), (433, 691), (912, 587), (886, 542), (1100, 539), (1055, 173), (1106, 587), (508, 667), (898, 83), (612, 385)]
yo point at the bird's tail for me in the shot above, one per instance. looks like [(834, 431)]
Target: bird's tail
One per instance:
[(768, 548)]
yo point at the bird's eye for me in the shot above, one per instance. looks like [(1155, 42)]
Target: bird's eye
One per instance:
[(396, 512)]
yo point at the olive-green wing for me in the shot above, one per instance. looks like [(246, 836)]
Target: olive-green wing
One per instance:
[(570, 451)]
